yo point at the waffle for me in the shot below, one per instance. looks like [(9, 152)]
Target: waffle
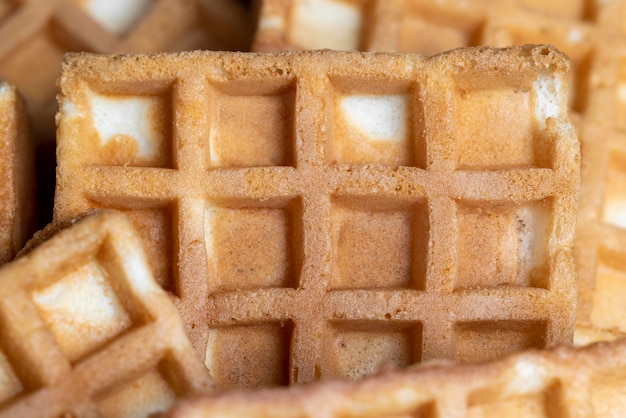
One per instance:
[(591, 33), (559, 382), (36, 33), (16, 170), (340, 238), (86, 331)]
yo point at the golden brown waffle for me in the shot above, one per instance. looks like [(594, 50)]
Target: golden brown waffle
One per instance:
[(319, 214), (36, 33), (591, 33), (559, 382), (16, 170), (86, 331)]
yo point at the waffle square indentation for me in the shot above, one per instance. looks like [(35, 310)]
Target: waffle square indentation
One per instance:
[(250, 247), (10, 384), (614, 204), (333, 24), (148, 394), (503, 244), (249, 356), (431, 32), (82, 310), (494, 402), (155, 227), (252, 125), (499, 126), (128, 130), (375, 247), (354, 350), (374, 126), (484, 340), (610, 292)]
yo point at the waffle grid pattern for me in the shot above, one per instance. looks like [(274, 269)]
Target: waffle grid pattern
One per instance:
[(36, 34), (54, 363), (592, 34), (300, 198), (561, 382)]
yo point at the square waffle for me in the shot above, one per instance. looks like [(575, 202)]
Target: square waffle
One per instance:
[(86, 331), (591, 33), (16, 170), (36, 33), (559, 382), (318, 214)]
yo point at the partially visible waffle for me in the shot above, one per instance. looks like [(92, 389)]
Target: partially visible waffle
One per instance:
[(36, 33), (86, 331), (558, 382), (601, 232), (591, 33), (319, 214), (17, 193)]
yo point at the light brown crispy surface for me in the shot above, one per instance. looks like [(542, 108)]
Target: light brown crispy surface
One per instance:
[(304, 236), (17, 193), (592, 34), (86, 331), (557, 382)]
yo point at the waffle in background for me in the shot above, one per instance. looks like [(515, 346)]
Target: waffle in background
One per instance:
[(36, 33), (318, 214), (591, 33), (86, 331), (17, 193), (559, 382)]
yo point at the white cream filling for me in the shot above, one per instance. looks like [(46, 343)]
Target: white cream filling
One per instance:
[(532, 238), (82, 310), (319, 24), (547, 91), (528, 378), (615, 212), (271, 23), (130, 117), (379, 118), (621, 95), (117, 16)]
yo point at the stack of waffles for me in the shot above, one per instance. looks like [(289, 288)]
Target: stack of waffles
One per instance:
[(591, 33), (226, 223)]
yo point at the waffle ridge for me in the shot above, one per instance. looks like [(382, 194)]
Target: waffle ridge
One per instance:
[(88, 332), (557, 382), (282, 242)]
